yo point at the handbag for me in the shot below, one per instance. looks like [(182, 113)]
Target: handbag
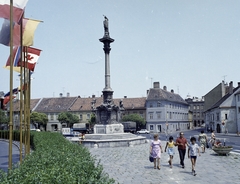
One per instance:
[(207, 146), (151, 159)]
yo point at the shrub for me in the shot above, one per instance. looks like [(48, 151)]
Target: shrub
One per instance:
[(56, 160)]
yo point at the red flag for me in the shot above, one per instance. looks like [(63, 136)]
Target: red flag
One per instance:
[(31, 58)]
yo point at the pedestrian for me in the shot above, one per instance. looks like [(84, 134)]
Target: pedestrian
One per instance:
[(170, 150), (213, 138), (193, 149), (202, 138), (156, 150), (181, 142)]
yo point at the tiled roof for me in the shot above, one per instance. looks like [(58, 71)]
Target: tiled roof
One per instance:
[(225, 97), (84, 104), (59, 104), (160, 94), (16, 104)]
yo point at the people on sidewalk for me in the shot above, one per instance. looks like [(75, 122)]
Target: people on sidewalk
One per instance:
[(181, 142), (156, 150), (213, 138), (202, 138), (193, 149), (170, 149)]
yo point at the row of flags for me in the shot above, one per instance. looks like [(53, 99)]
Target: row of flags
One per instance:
[(23, 30)]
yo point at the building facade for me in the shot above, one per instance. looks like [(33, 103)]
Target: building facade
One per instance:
[(196, 106), (165, 111), (224, 115)]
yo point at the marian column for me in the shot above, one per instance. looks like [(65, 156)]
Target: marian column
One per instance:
[(108, 114), (106, 40)]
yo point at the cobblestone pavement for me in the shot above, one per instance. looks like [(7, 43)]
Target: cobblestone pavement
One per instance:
[(131, 165)]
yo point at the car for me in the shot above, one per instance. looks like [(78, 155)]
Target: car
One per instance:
[(143, 131)]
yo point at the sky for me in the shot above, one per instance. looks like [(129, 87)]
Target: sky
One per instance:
[(189, 46)]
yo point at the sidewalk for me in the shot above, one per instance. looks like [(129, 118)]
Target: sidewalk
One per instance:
[(131, 165)]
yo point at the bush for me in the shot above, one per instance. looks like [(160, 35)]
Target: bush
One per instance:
[(56, 160)]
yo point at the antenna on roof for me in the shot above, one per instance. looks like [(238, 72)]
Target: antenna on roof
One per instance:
[(224, 76)]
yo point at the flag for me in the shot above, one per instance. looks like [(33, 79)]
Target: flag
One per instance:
[(7, 95), (18, 9), (31, 58), (14, 91), (5, 33), (28, 29)]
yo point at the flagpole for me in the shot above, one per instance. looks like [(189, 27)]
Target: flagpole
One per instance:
[(11, 87), (29, 107), (21, 91), (25, 102)]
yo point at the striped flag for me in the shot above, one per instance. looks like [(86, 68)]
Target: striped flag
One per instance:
[(18, 9)]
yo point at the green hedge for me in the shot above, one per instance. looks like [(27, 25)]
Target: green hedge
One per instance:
[(56, 160)]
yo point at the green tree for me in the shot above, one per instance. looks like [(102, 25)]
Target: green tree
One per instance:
[(39, 118), (92, 120), (68, 118), (136, 118), (4, 119)]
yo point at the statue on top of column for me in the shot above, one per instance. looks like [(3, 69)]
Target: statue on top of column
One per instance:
[(105, 24)]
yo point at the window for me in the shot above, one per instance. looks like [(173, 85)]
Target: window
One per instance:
[(217, 116), (194, 107), (238, 109), (150, 115), (198, 107), (150, 105), (151, 127), (88, 116), (80, 116), (51, 117), (226, 117), (158, 104), (238, 98), (141, 114), (158, 115)]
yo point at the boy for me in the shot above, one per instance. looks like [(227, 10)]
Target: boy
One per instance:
[(193, 149)]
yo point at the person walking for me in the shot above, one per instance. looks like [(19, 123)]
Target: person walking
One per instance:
[(202, 138), (170, 150), (181, 142), (193, 149), (156, 150)]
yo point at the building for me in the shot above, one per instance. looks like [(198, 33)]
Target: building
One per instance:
[(224, 115), (166, 111), (196, 106)]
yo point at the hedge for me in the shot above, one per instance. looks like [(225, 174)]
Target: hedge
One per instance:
[(54, 159)]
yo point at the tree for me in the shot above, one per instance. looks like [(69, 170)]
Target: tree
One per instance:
[(136, 118), (38, 118), (68, 118), (4, 119), (92, 120)]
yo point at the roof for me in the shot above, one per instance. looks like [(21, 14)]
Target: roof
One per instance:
[(84, 104), (160, 94), (225, 97), (59, 104), (16, 104)]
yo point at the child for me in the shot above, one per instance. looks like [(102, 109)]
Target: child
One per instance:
[(170, 144), (193, 149)]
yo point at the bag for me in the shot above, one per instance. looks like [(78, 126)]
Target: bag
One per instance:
[(207, 146), (151, 159)]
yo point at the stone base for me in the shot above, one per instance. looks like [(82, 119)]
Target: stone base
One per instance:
[(108, 129)]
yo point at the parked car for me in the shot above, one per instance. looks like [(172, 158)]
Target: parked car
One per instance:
[(143, 131)]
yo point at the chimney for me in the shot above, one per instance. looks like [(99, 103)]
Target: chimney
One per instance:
[(165, 88), (156, 85), (60, 94), (93, 96), (238, 84), (231, 87), (147, 92), (125, 96), (68, 94), (172, 91)]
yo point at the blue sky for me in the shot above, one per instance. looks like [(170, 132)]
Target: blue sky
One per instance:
[(187, 45)]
